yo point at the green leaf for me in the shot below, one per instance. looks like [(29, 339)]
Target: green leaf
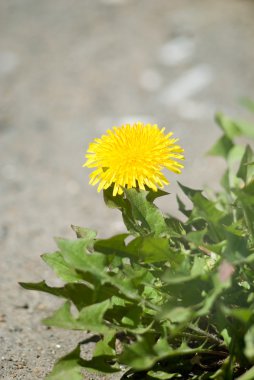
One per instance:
[(85, 233), (150, 249), (236, 247), (242, 314), (111, 201), (246, 202), (62, 318), (90, 318), (248, 103), (234, 128), (176, 314), (162, 375), (225, 372), (246, 171), (43, 287), (99, 364), (67, 367), (249, 375), (76, 254), (235, 154), (105, 346), (175, 227), (182, 207), (188, 191), (222, 147), (249, 344), (79, 294), (143, 354), (196, 237), (212, 296), (206, 209), (146, 213), (132, 318), (152, 195), (61, 267), (246, 129), (112, 246), (228, 126)]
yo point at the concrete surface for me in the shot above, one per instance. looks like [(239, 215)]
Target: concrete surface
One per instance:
[(68, 71)]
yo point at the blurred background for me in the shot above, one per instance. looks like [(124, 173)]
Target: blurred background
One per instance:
[(69, 70)]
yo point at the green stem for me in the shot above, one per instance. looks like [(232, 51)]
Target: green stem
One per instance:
[(207, 335)]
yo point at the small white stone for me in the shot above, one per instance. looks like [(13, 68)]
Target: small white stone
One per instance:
[(177, 51), (58, 345), (189, 84)]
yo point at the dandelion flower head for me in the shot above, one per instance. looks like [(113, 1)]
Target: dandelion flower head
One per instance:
[(133, 156)]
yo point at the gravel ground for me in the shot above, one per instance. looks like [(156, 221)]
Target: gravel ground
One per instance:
[(68, 71)]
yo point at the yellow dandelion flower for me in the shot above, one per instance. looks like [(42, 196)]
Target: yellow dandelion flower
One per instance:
[(133, 156)]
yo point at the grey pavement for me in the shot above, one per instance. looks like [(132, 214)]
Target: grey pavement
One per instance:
[(69, 70)]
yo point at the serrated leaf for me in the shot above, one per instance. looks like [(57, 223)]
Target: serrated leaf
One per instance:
[(132, 317), (90, 318), (67, 367), (248, 375), (246, 171), (105, 346), (150, 249), (85, 233), (176, 314), (246, 201), (222, 147), (143, 354), (228, 126), (206, 209), (226, 180), (63, 270), (79, 294), (182, 207), (162, 375), (249, 344), (62, 318), (76, 255), (189, 192), (111, 201), (225, 372), (235, 154), (99, 364), (196, 237), (112, 246), (175, 227), (248, 103), (236, 247), (152, 195), (146, 213)]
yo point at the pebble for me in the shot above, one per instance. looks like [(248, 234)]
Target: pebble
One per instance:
[(190, 83), (177, 51)]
